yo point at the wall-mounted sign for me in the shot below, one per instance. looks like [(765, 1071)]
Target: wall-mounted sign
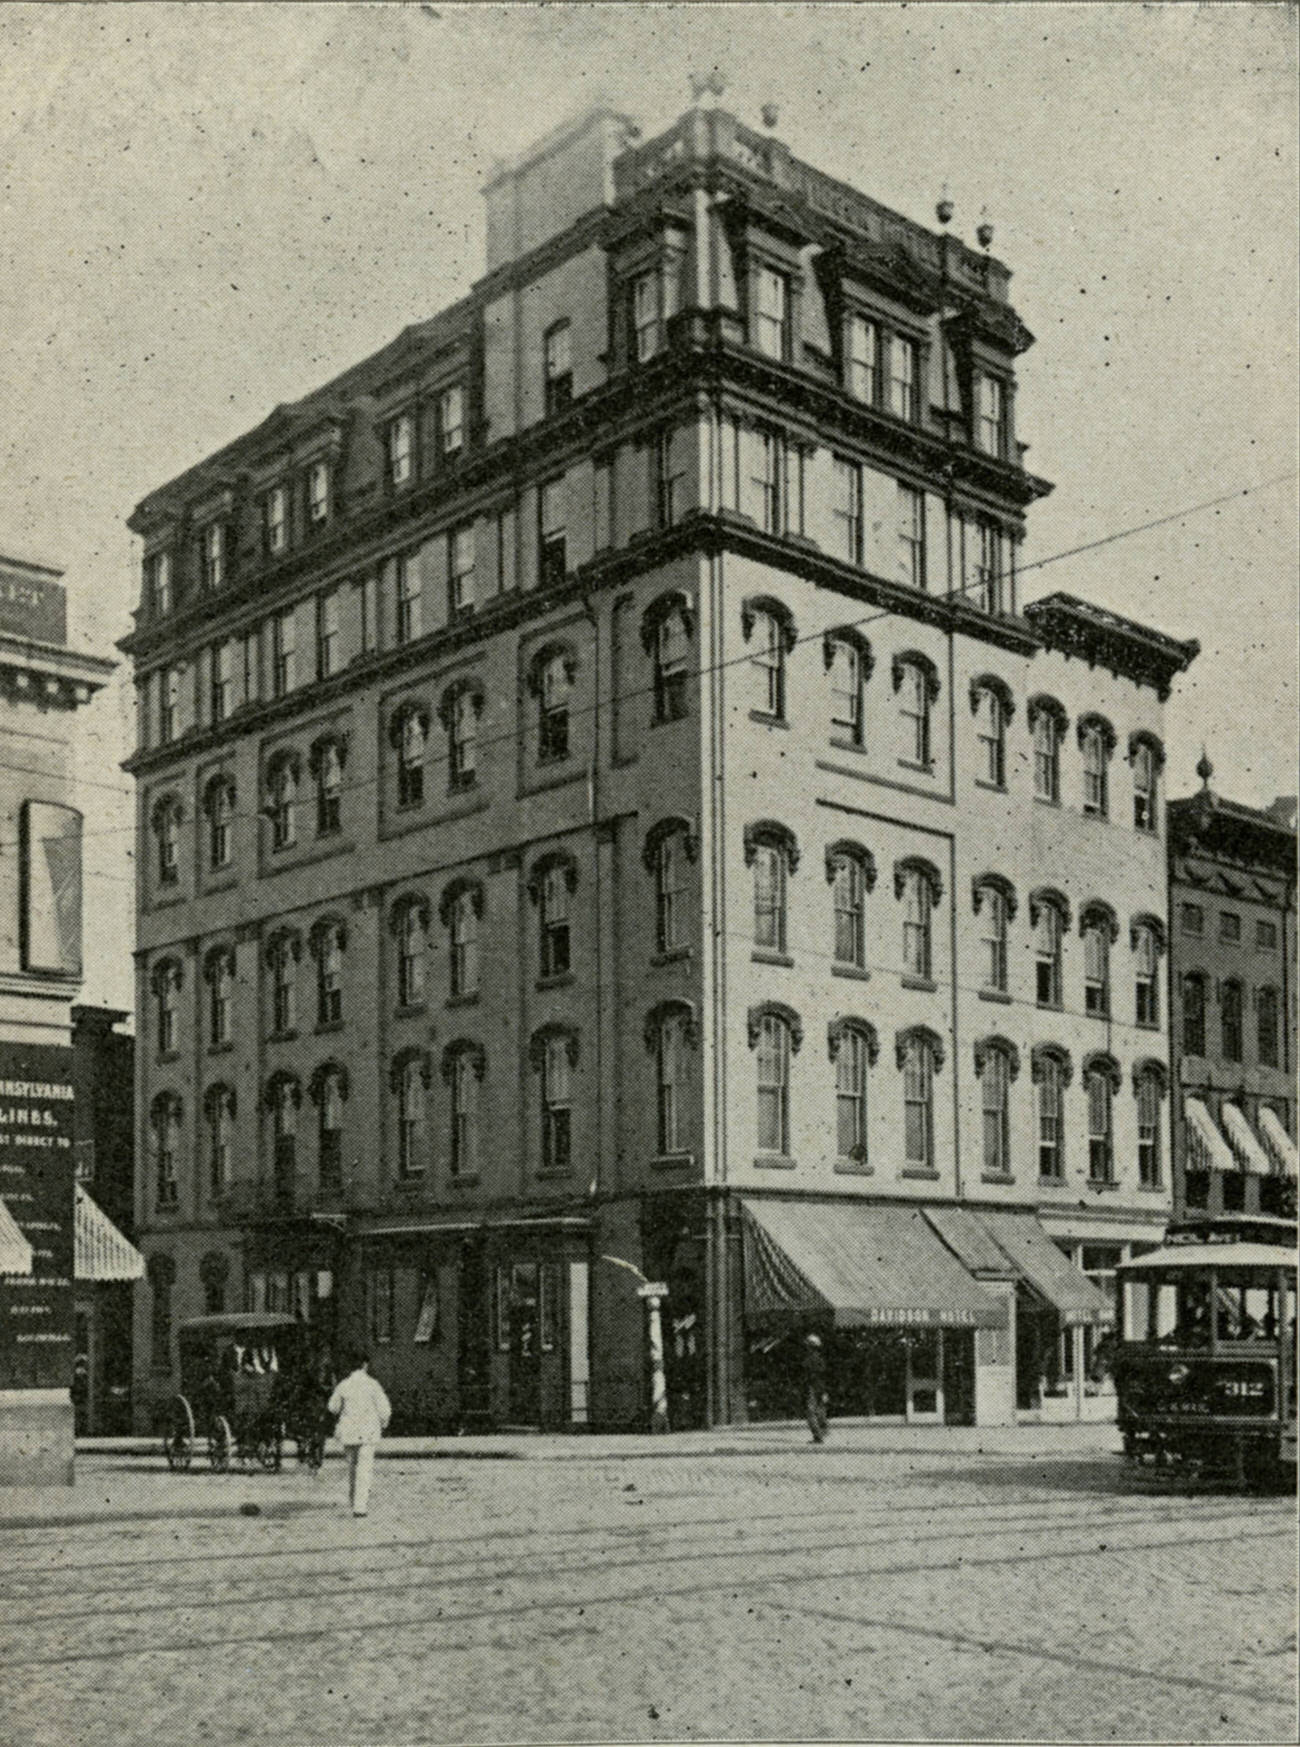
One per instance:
[(32, 604), (50, 895), (36, 1181)]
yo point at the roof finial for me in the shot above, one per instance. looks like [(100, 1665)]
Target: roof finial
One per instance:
[(705, 85), (1204, 769), (944, 209)]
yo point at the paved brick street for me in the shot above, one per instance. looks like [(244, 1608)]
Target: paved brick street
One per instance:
[(878, 1588)]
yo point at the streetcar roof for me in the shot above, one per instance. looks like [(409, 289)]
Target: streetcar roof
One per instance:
[(237, 1322), (1190, 1257)]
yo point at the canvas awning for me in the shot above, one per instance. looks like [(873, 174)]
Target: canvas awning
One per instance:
[(1279, 1142), (871, 1266), (1043, 1267), (101, 1253), (1206, 1146), (15, 1251), (1244, 1142), (960, 1229)]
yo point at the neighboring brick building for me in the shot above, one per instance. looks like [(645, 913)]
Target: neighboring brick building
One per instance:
[(1232, 957), (598, 797)]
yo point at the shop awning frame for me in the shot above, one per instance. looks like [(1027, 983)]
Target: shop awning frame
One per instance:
[(1046, 1269), (102, 1254)]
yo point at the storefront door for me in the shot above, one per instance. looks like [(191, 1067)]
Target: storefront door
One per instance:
[(925, 1377), (525, 1344)]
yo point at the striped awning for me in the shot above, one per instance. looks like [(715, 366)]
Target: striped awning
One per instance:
[(15, 1251), (1244, 1142), (102, 1253), (1206, 1147), (869, 1266), (1279, 1143), (1046, 1269)]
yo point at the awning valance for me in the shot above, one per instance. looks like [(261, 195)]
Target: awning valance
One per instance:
[(15, 1251), (1246, 1148), (871, 1266), (1052, 1275), (101, 1252), (1206, 1147), (1279, 1142)]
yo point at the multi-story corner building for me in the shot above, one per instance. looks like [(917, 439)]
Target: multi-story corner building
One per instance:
[(1232, 954), (600, 802)]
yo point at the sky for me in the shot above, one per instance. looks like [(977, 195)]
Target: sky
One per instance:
[(209, 210)]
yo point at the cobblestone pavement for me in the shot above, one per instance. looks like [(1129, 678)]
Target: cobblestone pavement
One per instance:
[(785, 1593)]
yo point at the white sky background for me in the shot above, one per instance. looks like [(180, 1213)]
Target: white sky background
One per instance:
[(207, 210)]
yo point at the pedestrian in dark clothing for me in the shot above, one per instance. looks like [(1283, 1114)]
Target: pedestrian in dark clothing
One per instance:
[(814, 1380)]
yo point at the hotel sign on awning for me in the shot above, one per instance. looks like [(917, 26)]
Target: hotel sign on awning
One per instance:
[(36, 1184)]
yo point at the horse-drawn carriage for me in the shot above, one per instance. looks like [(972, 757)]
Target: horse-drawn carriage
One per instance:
[(248, 1382)]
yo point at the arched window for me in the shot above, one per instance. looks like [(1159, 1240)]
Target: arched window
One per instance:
[(851, 870), (670, 846), (553, 1052), (1101, 1079), (1146, 754), (551, 674), (994, 899), (551, 886), (219, 973), (853, 1047), (848, 660), (1193, 994), (325, 762), (667, 627), (283, 951), (1150, 1083), (167, 978), (670, 1033), (1266, 1011), (165, 1121), (997, 1063), (1047, 725), (1230, 1014), (916, 681), (214, 1274), (461, 909), (768, 627), (1050, 1065), (409, 735), (329, 1092), (409, 921), (463, 1067), (775, 1034), (1147, 939), (773, 853), (1100, 929), (1096, 742), (1049, 916), (918, 884), (993, 706), (281, 799), (219, 1118), (919, 1053), (219, 809), (411, 1074), (168, 816), (459, 711), (328, 941), (283, 1097)]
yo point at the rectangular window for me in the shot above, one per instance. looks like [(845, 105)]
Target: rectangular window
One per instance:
[(851, 1097), (1145, 817), (1096, 970), (158, 582), (769, 898), (765, 480), (997, 1140), (772, 314), (557, 1106), (918, 1122), (318, 493), (556, 958), (400, 450), (369, 591), (327, 634), (553, 520), (1047, 759), (1147, 998), (990, 415), (989, 592), (903, 378), (557, 353), (410, 606), (848, 895), (464, 946), (1266, 936), (1050, 1125), (863, 359), (672, 647), (451, 420), (768, 664), (847, 510), (670, 478), (1047, 950), (1193, 920), (646, 322), (846, 691), (1100, 1140), (911, 536), (1266, 1011), (670, 894), (994, 905), (916, 927), (671, 1075), (914, 706), (275, 521), (1148, 1118), (990, 730), (1095, 796), (252, 666), (283, 653), (1230, 927), (1230, 1005), (212, 555), (221, 690), (460, 568), (773, 1086), (1193, 1015)]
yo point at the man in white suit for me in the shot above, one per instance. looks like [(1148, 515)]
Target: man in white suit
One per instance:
[(363, 1412)]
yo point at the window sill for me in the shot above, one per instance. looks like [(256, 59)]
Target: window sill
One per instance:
[(926, 984), (674, 955), (920, 1173), (842, 743), (328, 1025), (1046, 801), (410, 1009), (555, 1175), (1050, 1006), (853, 1168), (169, 1055), (668, 721), (996, 1177), (998, 995), (281, 1036), (1102, 1013), (220, 1048), (1094, 813), (855, 972), (1151, 1189), (912, 764), (560, 981), (1153, 1025), (982, 782), (1051, 1182), (761, 956), (1096, 1183), (673, 1162), (465, 1180), (767, 721), (773, 1162), (467, 998)]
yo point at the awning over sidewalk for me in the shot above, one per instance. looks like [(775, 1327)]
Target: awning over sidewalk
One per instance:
[(1052, 1275), (1206, 1147), (1245, 1145), (15, 1251), (960, 1229), (871, 1266), (101, 1252), (1279, 1142)]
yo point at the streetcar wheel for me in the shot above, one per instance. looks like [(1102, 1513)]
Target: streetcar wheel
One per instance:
[(219, 1444)]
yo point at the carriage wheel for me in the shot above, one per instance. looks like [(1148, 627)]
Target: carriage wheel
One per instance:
[(178, 1439), (270, 1449), (220, 1444), (311, 1449)]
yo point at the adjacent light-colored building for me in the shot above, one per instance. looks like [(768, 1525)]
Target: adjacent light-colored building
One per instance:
[(1232, 904), (601, 801)]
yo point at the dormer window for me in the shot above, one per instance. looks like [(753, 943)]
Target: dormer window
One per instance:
[(399, 445), (904, 376), (275, 521), (318, 493), (212, 555), (772, 314), (451, 420), (158, 583), (553, 519), (654, 303), (863, 359), (988, 592), (557, 356), (990, 415)]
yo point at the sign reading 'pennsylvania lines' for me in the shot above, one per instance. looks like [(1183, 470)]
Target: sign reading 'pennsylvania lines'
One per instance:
[(36, 1184)]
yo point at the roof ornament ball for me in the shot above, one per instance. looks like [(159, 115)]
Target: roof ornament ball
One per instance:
[(944, 208), (771, 114), (705, 85), (984, 230), (1204, 769)]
